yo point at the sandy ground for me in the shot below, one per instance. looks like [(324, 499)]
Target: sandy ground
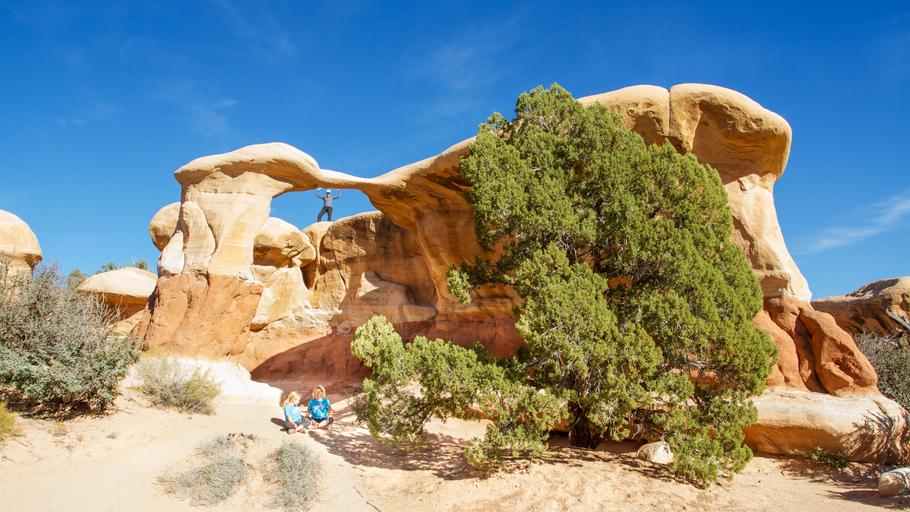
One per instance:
[(111, 464)]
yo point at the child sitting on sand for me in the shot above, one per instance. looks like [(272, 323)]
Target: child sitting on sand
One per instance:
[(293, 416), (320, 409)]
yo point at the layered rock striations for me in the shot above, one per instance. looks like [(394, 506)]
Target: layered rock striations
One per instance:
[(235, 282), (881, 307)]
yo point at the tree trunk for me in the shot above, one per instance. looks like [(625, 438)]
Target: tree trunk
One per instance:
[(582, 433)]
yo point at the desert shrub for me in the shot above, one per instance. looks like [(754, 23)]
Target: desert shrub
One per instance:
[(822, 457), (217, 474), (169, 385), (890, 356), (57, 355), (636, 307), (296, 471), (7, 422)]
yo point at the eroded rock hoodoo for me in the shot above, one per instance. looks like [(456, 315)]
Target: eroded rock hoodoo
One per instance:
[(234, 282)]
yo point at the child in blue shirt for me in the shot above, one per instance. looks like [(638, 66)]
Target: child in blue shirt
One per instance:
[(293, 416), (320, 409)]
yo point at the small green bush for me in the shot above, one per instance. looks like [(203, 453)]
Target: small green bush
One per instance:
[(7, 422), (890, 356), (166, 384), (221, 470), (822, 457), (296, 471), (57, 356)]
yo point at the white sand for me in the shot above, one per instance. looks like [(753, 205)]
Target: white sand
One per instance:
[(111, 464)]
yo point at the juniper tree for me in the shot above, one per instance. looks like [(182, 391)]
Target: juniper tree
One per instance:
[(636, 306)]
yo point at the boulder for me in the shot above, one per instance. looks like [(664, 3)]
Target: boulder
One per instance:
[(881, 307), (280, 244), (658, 452), (163, 225), (126, 290), (894, 482), (866, 428), (18, 245)]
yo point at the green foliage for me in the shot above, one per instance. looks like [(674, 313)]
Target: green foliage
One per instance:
[(459, 283), (453, 382), (57, 357), (75, 278), (297, 472), (7, 422), (822, 457), (218, 473), (636, 306), (168, 385), (107, 267), (890, 356)]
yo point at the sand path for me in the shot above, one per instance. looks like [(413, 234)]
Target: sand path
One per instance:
[(111, 464)]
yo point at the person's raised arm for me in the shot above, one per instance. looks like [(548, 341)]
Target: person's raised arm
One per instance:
[(337, 193), (320, 196)]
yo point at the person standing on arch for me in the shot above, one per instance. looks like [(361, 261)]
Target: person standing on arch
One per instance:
[(327, 197)]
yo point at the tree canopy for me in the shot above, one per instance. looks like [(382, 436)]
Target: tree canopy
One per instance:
[(636, 306)]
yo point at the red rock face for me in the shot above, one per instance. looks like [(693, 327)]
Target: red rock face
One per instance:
[(827, 359)]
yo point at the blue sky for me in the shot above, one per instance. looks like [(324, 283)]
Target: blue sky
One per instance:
[(101, 102)]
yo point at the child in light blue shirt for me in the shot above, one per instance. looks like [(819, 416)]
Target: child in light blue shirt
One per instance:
[(319, 408), (293, 416)]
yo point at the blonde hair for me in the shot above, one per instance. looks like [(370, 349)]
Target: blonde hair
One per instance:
[(320, 388), (293, 396)]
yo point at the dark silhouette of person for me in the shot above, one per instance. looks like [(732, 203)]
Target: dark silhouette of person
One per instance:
[(327, 197)]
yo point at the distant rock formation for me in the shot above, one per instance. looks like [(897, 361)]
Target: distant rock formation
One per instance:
[(18, 246), (236, 283), (881, 307), (126, 290)]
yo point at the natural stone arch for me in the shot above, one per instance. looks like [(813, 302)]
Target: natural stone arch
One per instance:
[(747, 144)]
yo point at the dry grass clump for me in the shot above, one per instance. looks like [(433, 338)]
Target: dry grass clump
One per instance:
[(166, 384), (890, 356), (7, 422), (221, 469), (296, 472)]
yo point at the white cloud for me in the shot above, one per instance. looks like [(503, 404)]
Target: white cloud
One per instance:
[(262, 32), (885, 216), (93, 113), (207, 112)]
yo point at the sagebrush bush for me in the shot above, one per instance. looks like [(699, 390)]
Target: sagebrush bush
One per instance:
[(167, 384), (296, 472), (636, 307), (220, 470), (57, 355), (7, 422), (890, 356)]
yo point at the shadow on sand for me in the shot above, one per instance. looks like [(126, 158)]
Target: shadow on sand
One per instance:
[(859, 482)]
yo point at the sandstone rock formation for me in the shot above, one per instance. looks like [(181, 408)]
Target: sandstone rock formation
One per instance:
[(236, 283), (868, 428), (894, 482), (877, 307), (19, 248), (126, 290)]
